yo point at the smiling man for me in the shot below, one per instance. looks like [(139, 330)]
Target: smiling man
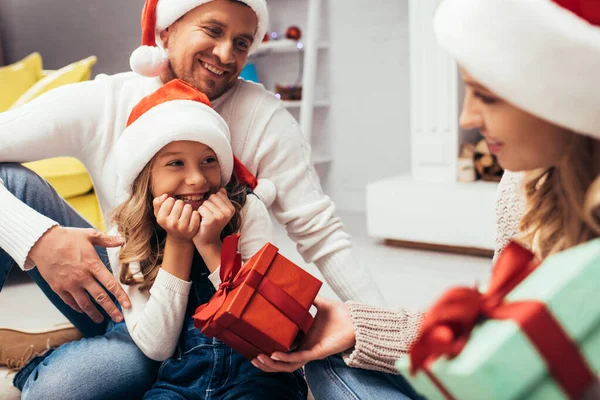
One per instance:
[(207, 47), (205, 43)]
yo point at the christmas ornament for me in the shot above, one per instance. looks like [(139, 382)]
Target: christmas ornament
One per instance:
[(293, 32)]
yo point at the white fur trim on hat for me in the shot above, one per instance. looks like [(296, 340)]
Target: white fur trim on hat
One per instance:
[(533, 53), (169, 122), (266, 191), (149, 61)]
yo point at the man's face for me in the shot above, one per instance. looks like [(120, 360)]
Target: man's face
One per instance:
[(208, 46)]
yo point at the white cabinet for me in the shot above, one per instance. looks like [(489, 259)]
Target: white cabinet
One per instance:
[(429, 206)]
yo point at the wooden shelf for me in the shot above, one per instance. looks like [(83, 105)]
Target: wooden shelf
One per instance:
[(283, 46)]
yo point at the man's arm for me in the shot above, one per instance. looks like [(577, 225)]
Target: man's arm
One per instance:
[(307, 213), (62, 122)]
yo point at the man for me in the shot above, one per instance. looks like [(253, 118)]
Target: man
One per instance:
[(206, 43)]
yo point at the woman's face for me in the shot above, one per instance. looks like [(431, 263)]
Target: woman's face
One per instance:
[(187, 171), (519, 140)]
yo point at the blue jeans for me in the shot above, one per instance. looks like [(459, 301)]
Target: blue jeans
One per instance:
[(205, 368), (332, 379), (111, 365)]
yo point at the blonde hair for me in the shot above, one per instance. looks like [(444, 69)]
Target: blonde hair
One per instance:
[(563, 202), (145, 239)]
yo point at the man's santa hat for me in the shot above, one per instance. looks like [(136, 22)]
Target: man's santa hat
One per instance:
[(178, 111), (541, 55), (151, 59)]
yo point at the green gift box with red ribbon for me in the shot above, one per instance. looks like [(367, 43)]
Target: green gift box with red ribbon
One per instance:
[(261, 307), (534, 334)]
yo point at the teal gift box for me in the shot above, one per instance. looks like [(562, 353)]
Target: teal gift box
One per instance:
[(499, 362)]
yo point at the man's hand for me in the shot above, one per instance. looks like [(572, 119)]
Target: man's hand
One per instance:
[(67, 260), (331, 333)]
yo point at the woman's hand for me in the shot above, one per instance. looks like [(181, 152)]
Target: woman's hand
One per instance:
[(178, 219), (215, 213), (331, 333)]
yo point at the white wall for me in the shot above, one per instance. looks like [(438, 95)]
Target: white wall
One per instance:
[(364, 73), (369, 88)]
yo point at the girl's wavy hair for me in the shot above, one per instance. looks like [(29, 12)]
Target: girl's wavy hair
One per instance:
[(563, 202), (145, 239)]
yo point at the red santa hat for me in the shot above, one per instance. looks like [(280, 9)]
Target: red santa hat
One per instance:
[(150, 59), (540, 55), (178, 111)]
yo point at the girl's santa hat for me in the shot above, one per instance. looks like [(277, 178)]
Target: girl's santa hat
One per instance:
[(178, 111)]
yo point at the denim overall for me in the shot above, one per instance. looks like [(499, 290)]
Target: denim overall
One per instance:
[(204, 368)]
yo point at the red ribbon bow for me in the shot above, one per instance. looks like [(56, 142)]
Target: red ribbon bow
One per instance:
[(231, 277), (448, 325)]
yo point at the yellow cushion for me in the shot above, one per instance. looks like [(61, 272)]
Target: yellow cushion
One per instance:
[(67, 175), (15, 79), (87, 205), (76, 72)]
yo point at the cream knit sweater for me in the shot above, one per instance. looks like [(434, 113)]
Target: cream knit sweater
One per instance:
[(384, 336), (85, 120)]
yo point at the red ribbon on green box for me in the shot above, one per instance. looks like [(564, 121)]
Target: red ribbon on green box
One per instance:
[(448, 325)]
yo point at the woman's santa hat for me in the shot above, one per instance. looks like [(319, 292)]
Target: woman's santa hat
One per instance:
[(151, 59), (178, 111), (541, 55)]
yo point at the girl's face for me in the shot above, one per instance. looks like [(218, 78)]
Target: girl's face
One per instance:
[(186, 170), (519, 140)]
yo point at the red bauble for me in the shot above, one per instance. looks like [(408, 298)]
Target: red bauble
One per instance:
[(293, 32), (266, 37)]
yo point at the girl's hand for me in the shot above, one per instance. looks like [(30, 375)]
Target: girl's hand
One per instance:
[(215, 214), (332, 332), (178, 219)]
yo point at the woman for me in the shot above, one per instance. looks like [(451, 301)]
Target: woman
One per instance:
[(531, 70)]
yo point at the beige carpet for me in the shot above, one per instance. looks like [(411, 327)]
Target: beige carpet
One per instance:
[(7, 390)]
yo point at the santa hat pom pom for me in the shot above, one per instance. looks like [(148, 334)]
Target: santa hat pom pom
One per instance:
[(266, 191), (149, 61)]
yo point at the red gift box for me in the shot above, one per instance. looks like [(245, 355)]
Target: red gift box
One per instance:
[(261, 307)]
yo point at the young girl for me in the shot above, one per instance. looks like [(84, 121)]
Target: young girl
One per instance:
[(532, 73), (180, 199)]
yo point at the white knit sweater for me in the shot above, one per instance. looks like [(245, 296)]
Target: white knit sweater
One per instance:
[(85, 120), (510, 205)]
